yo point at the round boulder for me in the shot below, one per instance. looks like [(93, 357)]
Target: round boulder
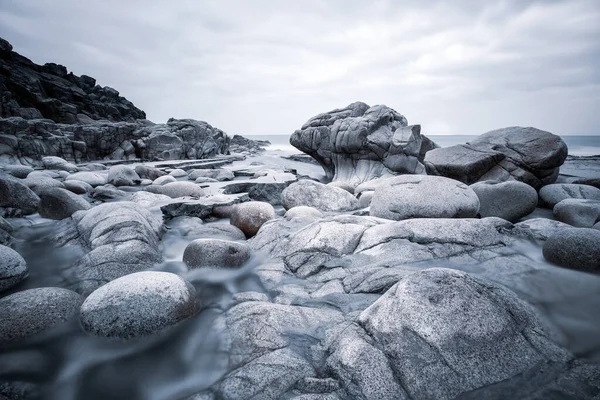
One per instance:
[(51, 162), (26, 313), (13, 268), (553, 194), (578, 212), (250, 216), (510, 200), (216, 253), (91, 178), (138, 304), (163, 180), (122, 175), (576, 248), (77, 187), (322, 197), (57, 203), (177, 189), (303, 212), (178, 173), (15, 194), (148, 172), (422, 196), (18, 171)]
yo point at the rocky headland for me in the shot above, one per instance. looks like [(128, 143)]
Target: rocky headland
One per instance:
[(172, 261)]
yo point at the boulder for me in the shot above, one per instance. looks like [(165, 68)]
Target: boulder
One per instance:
[(359, 143), (148, 172), (15, 194), (18, 171), (163, 180), (177, 189), (122, 175), (303, 212), (52, 162), (147, 199), (91, 178), (5, 232), (57, 203), (217, 174), (309, 193), (529, 155), (201, 230), (250, 216), (269, 192), (40, 184), (138, 305), (578, 212), (77, 187), (421, 196), (107, 193), (576, 248), (13, 268), (178, 173), (216, 253), (538, 228), (510, 200), (29, 312), (553, 194)]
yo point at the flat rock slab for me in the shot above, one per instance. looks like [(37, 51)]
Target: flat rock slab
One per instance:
[(201, 208)]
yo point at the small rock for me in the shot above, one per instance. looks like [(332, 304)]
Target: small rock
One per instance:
[(422, 196), (138, 304), (314, 194), (13, 268), (219, 231), (58, 163), (177, 189), (163, 180), (18, 171), (576, 248), (578, 212), (510, 200), (107, 192), (553, 194), (178, 173), (250, 216), (347, 186), (303, 212), (26, 313), (122, 175), (57, 203), (147, 199), (148, 172), (91, 178), (216, 253), (77, 187)]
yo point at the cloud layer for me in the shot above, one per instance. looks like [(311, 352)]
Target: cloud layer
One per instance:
[(266, 66)]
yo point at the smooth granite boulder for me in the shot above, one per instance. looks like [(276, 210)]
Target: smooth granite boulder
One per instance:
[(576, 248), (77, 187), (578, 212), (40, 184), (26, 313), (178, 173), (216, 253), (309, 193), (529, 155), (177, 189), (510, 200), (91, 178), (52, 162), (57, 203), (359, 143), (13, 268), (303, 212), (217, 174), (148, 172), (195, 228), (421, 196), (251, 215), (122, 175), (17, 170), (163, 180), (138, 305), (553, 194), (14, 193)]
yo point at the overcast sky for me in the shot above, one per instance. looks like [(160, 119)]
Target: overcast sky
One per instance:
[(266, 66)]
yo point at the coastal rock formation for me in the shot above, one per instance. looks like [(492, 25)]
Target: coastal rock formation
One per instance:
[(358, 143), (529, 155)]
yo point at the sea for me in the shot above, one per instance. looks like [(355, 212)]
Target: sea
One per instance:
[(579, 145)]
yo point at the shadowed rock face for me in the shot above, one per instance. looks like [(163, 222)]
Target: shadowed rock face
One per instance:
[(359, 143)]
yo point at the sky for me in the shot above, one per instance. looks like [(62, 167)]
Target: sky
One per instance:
[(267, 66)]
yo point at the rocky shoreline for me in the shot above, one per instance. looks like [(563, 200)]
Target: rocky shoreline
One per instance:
[(170, 261)]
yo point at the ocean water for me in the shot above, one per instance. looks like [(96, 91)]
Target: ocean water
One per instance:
[(579, 145)]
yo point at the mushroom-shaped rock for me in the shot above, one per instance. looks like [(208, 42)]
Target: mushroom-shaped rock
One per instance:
[(553, 194), (578, 212), (576, 248), (421, 196), (511, 200), (322, 197), (444, 333), (250, 216), (216, 253), (26, 313), (52, 162), (122, 175), (57, 203), (138, 304), (359, 143), (13, 268), (15, 194), (529, 155)]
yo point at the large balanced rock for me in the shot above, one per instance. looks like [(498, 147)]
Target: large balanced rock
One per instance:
[(525, 154), (322, 197), (578, 212), (216, 253), (13, 268), (439, 333), (511, 200), (358, 143), (15, 194), (553, 194), (24, 314), (250, 216), (421, 196), (57, 203), (138, 305), (577, 248)]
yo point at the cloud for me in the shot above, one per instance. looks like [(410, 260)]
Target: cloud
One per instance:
[(266, 66)]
